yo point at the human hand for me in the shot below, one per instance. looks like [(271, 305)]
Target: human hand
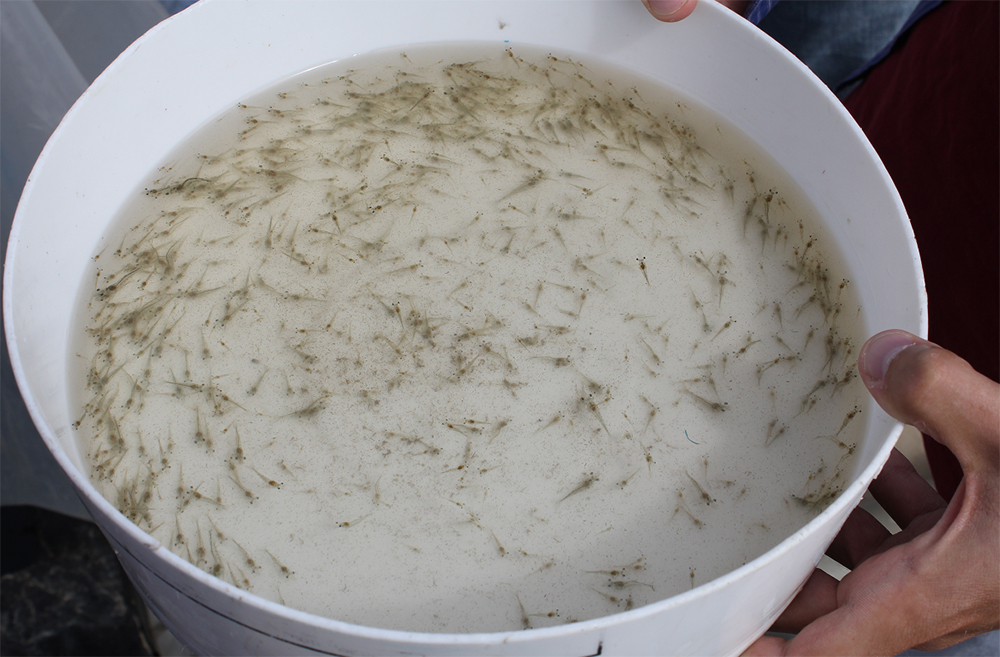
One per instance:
[(936, 582), (671, 11)]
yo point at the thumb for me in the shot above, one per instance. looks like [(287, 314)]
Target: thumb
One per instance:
[(919, 383), (670, 11)]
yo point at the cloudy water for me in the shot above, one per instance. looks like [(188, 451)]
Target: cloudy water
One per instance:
[(467, 340)]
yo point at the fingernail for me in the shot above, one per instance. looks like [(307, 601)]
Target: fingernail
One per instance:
[(666, 8), (879, 352)]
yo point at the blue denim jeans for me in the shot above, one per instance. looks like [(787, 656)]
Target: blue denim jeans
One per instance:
[(834, 38)]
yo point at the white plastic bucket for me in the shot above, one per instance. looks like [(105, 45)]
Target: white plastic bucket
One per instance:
[(195, 65)]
